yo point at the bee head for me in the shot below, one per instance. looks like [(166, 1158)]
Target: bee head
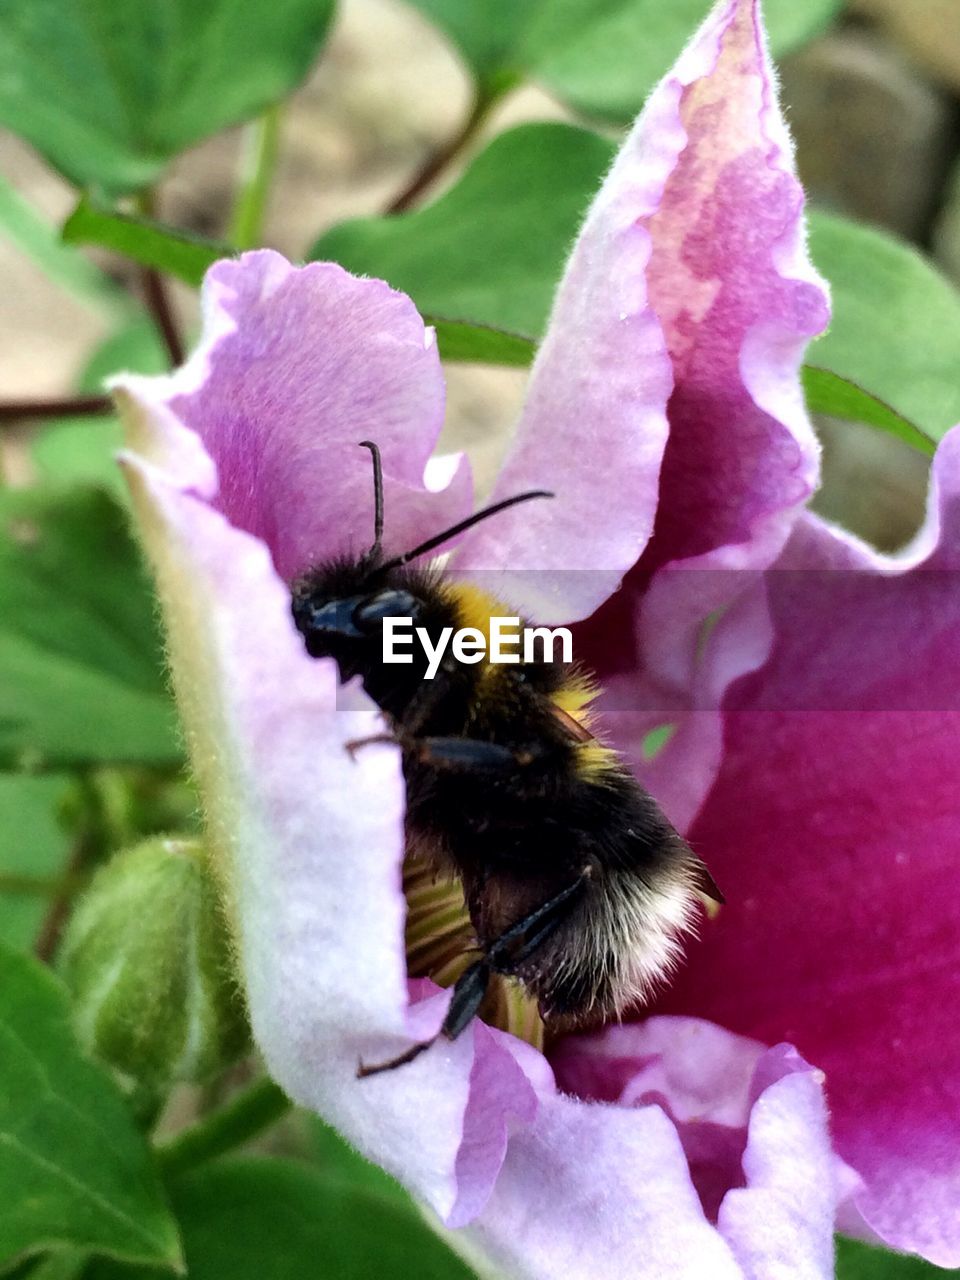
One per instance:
[(344, 603), (339, 607)]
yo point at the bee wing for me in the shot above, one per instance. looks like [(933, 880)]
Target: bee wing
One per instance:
[(707, 887), (572, 727)]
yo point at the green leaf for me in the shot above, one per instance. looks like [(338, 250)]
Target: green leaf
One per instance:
[(477, 343), (64, 1264), (33, 851), (338, 1162), (896, 322), (490, 250), (827, 392), (110, 90), (601, 57), (73, 1169), (488, 35), (268, 1219), (80, 658), (177, 253), (890, 359), (857, 1261), (83, 449)]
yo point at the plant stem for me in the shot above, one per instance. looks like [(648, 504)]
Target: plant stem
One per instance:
[(258, 165), (158, 304), (258, 1107), (436, 163), (69, 406), (90, 843), (155, 294), (85, 849)]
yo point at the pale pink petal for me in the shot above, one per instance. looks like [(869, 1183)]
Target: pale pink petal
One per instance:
[(307, 841), (780, 1225), (752, 1123), (591, 1190), (295, 367)]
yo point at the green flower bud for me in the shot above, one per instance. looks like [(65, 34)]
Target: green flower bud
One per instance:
[(147, 958)]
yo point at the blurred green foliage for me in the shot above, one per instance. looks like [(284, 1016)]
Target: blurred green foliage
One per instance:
[(81, 674), (857, 1261), (111, 90), (33, 852), (600, 57), (896, 321), (491, 248), (82, 450), (262, 1218), (74, 1170)]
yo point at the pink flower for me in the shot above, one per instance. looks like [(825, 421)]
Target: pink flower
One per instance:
[(665, 410)]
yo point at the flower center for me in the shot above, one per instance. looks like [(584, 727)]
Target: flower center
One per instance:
[(441, 944)]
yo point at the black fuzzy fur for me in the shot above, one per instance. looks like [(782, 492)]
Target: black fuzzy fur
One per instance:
[(515, 836)]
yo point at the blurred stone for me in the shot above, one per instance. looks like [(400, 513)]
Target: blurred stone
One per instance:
[(386, 91), (483, 403), (928, 29), (45, 331), (873, 484), (873, 137)]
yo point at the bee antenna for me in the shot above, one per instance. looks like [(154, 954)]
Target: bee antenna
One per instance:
[(439, 538), (374, 552)]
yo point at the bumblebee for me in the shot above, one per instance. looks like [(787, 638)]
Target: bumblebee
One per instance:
[(576, 884)]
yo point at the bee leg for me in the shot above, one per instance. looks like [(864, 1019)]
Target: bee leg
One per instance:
[(444, 753), (429, 694), (354, 745), (500, 956), (472, 754), (424, 702), (391, 1064), (504, 957), (468, 994)]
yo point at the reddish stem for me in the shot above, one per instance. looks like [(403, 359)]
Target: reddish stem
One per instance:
[(438, 161), (158, 303), (68, 407)]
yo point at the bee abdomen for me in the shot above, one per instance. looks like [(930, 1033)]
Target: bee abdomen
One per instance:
[(621, 943)]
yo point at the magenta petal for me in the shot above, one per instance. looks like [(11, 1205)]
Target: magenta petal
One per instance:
[(738, 300), (296, 367), (835, 830)]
